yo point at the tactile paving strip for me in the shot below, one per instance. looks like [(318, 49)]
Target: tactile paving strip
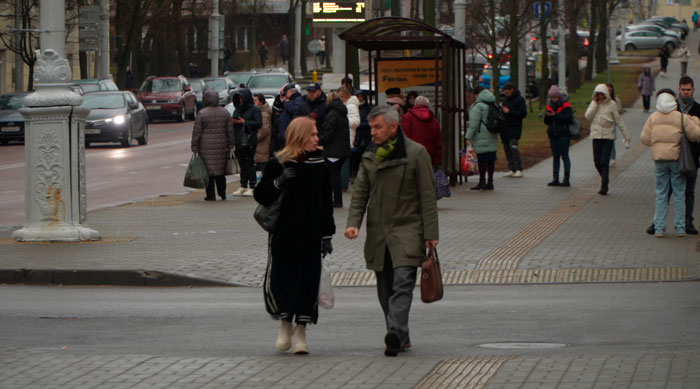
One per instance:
[(463, 372), (123, 239), (532, 276)]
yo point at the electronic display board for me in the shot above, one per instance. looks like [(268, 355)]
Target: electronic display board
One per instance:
[(338, 12)]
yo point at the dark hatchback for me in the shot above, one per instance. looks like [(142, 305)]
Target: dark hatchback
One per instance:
[(115, 116), (11, 121)]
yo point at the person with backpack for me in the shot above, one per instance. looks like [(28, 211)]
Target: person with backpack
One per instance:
[(514, 110), (485, 142), (558, 117), (604, 115)]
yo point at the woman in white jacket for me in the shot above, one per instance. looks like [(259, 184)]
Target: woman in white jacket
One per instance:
[(603, 114), (353, 105), (663, 131)]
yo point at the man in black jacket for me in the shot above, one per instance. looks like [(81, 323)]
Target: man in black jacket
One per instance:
[(515, 110), (316, 101), (246, 121)]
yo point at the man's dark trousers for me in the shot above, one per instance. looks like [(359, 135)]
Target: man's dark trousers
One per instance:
[(244, 155), (395, 290), (510, 146)]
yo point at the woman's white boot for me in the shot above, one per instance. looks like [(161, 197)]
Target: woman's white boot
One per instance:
[(284, 339), (300, 346)]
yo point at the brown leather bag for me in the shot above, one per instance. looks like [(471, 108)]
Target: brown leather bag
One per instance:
[(431, 278)]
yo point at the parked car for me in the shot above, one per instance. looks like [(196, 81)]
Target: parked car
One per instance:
[(485, 78), (115, 116), (268, 83), (198, 86), (655, 28), (168, 98), (94, 85), (223, 86), (239, 78), (644, 39), (671, 22), (11, 121)]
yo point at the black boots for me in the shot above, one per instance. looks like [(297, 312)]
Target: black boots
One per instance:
[(566, 180), (603, 189), (555, 181)]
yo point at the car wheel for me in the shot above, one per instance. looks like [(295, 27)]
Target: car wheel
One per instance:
[(630, 46), (194, 112), (144, 138), (670, 46), (127, 142), (181, 118)]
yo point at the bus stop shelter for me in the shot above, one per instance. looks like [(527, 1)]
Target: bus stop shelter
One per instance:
[(384, 37)]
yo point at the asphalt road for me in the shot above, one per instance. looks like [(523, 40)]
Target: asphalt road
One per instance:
[(115, 175), (599, 318)]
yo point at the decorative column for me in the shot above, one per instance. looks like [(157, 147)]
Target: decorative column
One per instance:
[(55, 195)]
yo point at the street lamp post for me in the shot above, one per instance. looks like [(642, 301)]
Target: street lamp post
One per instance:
[(55, 195)]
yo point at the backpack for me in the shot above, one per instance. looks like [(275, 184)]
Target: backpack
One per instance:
[(495, 119)]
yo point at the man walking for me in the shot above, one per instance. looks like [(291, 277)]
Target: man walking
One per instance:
[(395, 179), (515, 110), (687, 104), (284, 49), (684, 55), (316, 100)]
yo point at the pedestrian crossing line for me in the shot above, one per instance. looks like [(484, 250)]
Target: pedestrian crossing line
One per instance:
[(532, 276), (511, 252), (463, 372)]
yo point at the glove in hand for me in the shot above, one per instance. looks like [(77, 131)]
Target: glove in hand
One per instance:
[(288, 174), (326, 246)]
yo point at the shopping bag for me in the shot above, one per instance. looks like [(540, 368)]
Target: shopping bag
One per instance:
[(196, 175), (326, 298), (686, 164), (431, 278), (232, 164), (469, 162), (442, 184)]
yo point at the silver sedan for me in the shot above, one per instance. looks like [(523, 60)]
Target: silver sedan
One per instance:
[(644, 39)]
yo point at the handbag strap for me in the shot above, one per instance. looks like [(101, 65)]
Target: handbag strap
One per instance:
[(432, 253)]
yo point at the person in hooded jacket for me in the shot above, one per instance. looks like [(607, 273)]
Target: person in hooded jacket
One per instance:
[(485, 142), (334, 137), (604, 116), (262, 150), (247, 121), (646, 85), (420, 125), (558, 117), (514, 110), (212, 139), (662, 132), (294, 107)]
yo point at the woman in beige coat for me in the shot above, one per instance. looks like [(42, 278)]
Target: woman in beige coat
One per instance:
[(262, 150), (663, 131), (604, 115)]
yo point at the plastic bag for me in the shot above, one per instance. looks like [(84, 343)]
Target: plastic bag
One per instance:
[(470, 163), (326, 298), (196, 176)]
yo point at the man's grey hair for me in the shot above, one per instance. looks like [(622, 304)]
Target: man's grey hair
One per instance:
[(390, 114)]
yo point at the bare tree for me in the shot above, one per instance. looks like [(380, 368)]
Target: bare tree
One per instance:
[(130, 19), (24, 41), (573, 10)]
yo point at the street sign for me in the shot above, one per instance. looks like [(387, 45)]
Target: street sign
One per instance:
[(314, 47), (542, 9), (88, 28)]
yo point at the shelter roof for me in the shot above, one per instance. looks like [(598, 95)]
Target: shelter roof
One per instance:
[(394, 33)]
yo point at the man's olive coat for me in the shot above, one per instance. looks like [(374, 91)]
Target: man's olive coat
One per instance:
[(399, 196)]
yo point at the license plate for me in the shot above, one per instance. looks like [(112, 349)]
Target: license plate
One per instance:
[(153, 107), (92, 130), (10, 129)]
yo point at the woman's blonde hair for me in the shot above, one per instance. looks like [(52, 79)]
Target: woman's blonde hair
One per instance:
[(299, 130), (333, 96)]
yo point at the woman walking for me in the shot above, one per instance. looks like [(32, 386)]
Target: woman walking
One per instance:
[(662, 131), (212, 139), (334, 136), (646, 86), (558, 117), (304, 229), (485, 142), (604, 116), (618, 103)]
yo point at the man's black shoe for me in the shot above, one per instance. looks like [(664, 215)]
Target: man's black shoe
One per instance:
[(651, 230), (690, 229), (392, 340)]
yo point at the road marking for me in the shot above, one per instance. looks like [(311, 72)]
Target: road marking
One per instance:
[(464, 372), (119, 152)]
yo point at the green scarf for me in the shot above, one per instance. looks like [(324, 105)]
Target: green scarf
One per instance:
[(385, 150)]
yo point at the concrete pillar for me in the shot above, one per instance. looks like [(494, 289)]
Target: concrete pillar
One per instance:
[(460, 8), (214, 39), (104, 38), (338, 57), (612, 47), (298, 50), (55, 195)]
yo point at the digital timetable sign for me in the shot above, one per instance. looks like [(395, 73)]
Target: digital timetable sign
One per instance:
[(339, 12)]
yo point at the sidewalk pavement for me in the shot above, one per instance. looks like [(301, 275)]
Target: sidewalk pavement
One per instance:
[(522, 232)]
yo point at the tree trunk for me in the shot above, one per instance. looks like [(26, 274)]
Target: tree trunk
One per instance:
[(572, 49), (544, 81), (291, 35), (601, 56), (592, 40), (303, 58)]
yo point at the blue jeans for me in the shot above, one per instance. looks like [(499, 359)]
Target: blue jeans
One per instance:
[(666, 176), (560, 149)]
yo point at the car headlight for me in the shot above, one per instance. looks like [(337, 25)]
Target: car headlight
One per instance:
[(173, 101), (119, 119)]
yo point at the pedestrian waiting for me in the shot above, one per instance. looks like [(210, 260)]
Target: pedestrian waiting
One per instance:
[(303, 232), (558, 117), (514, 110), (247, 121), (484, 142), (646, 85), (420, 125)]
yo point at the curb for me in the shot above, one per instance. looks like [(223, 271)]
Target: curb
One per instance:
[(138, 277)]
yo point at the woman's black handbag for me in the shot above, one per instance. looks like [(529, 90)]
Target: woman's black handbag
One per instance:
[(686, 165), (267, 215)]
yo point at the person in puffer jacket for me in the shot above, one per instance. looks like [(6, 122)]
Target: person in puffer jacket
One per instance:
[(558, 117), (662, 132), (604, 115), (485, 142), (420, 125)]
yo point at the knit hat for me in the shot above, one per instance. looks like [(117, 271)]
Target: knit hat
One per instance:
[(554, 91), (422, 100)]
